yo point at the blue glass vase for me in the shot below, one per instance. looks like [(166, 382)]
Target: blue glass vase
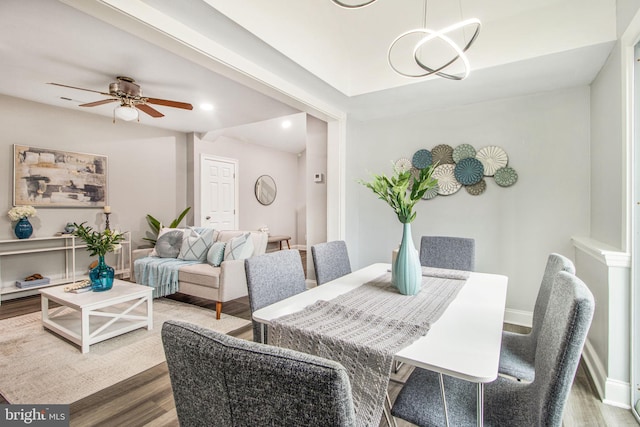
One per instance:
[(23, 229), (101, 276), (406, 272)]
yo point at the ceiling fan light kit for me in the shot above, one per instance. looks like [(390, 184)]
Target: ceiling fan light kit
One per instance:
[(129, 94), (415, 62), (126, 113)]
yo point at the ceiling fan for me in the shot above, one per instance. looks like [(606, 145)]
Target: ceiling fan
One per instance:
[(129, 94)]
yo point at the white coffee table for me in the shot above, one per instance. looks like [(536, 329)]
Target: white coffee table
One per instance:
[(97, 316)]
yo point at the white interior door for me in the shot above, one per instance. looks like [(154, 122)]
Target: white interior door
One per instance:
[(218, 193), (635, 272)]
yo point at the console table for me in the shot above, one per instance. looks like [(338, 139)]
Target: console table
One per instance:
[(66, 243)]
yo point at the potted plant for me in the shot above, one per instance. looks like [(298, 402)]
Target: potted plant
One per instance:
[(156, 225), (99, 243), (23, 228), (402, 191)]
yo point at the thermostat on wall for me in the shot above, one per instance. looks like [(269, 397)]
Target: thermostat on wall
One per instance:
[(318, 177)]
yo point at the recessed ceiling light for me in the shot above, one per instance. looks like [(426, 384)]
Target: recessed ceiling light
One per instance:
[(206, 106), (286, 124)]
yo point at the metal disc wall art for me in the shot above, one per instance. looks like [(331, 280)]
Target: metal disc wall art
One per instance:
[(505, 177), (422, 159), (463, 151), (403, 165), (492, 158), (447, 182), (476, 189), (462, 166), (442, 154), (469, 171)]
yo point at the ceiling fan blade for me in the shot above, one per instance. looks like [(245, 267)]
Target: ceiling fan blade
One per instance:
[(149, 110), (96, 103), (174, 104), (79, 88)]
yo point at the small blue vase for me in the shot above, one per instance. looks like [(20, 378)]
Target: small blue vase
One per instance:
[(101, 276), (406, 272), (23, 229)]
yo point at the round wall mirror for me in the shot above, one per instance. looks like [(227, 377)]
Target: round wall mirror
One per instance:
[(266, 190)]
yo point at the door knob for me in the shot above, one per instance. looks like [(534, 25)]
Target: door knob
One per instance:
[(207, 217)]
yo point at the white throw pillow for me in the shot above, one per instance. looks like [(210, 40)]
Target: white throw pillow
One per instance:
[(195, 246), (240, 247)]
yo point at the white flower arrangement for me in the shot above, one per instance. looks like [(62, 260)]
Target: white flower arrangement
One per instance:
[(18, 212)]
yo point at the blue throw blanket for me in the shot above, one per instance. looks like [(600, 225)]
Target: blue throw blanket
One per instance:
[(159, 273)]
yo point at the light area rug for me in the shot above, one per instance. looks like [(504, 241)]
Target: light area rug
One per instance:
[(39, 367)]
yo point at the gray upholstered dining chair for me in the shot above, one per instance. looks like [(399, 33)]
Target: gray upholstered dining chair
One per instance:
[(456, 253), (330, 261), (518, 350), (218, 380), (270, 278), (507, 402)]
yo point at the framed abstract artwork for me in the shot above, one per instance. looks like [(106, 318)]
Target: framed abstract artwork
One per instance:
[(45, 177)]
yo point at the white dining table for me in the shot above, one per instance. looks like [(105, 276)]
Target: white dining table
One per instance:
[(463, 343)]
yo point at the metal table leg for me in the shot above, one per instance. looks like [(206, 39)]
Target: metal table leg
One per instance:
[(480, 405), (444, 400), (262, 333)]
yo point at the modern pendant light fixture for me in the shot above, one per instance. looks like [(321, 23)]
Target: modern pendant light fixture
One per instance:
[(409, 54), (356, 4)]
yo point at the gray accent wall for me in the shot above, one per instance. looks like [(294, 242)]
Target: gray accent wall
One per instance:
[(546, 136)]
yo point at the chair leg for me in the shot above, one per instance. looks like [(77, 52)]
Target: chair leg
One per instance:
[(444, 400), (391, 421), (218, 309)]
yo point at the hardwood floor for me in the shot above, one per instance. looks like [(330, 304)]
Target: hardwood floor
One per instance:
[(146, 399)]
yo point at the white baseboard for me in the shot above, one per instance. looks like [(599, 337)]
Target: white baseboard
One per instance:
[(618, 393), (595, 368), (518, 317), (610, 391)]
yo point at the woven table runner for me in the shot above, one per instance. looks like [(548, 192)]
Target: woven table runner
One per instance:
[(363, 329)]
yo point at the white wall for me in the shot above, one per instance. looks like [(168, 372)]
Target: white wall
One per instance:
[(254, 161), (547, 139), (301, 211), (144, 165), (608, 351), (625, 11), (607, 149), (316, 162)]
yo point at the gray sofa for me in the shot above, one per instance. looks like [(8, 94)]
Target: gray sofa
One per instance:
[(220, 284)]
